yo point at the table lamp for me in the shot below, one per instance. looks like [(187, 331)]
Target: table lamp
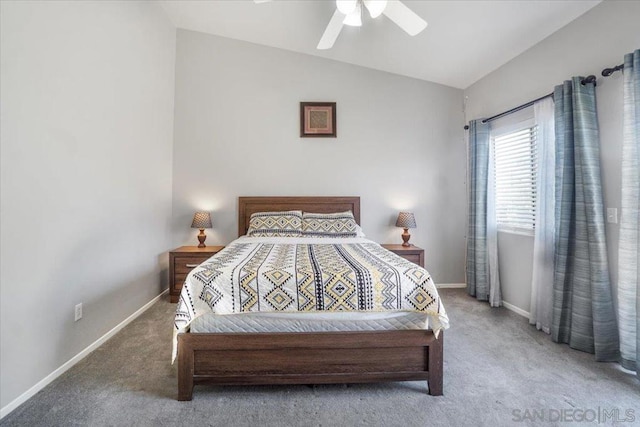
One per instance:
[(406, 220), (201, 220)]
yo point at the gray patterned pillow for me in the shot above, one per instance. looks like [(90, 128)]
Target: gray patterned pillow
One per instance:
[(341, 224), (275, 224)]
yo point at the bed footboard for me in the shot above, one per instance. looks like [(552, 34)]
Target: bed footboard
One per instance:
[(309, 358)]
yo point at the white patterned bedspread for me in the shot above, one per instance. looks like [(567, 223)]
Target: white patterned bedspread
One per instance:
[(301, 274)]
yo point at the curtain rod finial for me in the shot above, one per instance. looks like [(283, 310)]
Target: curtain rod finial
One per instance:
[(609, 71)]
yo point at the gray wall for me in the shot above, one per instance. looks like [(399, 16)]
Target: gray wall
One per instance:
[(596, 40), (400, 143), (87, 113)]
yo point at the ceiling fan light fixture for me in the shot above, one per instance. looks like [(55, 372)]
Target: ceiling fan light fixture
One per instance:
[(375, 7), (346, 7), (354, 19), (349, 12)]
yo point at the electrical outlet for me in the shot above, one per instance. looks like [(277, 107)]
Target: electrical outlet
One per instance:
[(612, 215), (78, 313)]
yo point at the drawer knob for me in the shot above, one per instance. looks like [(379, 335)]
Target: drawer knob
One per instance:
[(192, 265)]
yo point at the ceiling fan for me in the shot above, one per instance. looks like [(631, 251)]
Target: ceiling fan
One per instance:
[(349, 12)]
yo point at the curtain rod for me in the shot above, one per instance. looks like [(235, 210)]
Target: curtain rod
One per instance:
[(608, 71), (588, 79)]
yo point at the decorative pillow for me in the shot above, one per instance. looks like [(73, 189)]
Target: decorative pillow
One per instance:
[(275, 224), (341, 224)]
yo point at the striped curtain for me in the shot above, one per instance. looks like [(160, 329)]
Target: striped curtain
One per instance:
[(482, 275), (583, 313), (629, 244)]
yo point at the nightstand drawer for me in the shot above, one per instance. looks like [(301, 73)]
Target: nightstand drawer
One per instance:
[(179, 279), (182, 261), (411, 257), (411, 253), (186, 264)]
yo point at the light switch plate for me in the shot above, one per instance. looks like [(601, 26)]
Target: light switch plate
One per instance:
[(612, 215)]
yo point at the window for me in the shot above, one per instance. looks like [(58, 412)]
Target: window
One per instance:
[(515, 159)]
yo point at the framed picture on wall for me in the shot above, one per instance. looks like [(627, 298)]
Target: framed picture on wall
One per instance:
[(318, 119)]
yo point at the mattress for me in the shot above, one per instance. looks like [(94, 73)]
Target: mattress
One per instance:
[(309, 322)]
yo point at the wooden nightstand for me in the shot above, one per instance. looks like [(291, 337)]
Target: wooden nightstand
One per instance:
[(410, 253), (182, 261)]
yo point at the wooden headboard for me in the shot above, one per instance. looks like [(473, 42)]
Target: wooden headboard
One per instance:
[(249, 205)]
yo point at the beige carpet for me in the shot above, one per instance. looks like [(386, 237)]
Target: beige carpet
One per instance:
[(498, 371)]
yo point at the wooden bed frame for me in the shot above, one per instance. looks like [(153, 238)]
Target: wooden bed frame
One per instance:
[(307, 358)]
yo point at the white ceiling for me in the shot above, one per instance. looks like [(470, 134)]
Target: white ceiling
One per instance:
[(464, 41)]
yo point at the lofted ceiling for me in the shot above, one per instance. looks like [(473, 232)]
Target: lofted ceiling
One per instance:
[(464, 41)]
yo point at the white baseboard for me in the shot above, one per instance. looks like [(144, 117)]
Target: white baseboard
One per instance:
[(515, 309), (506, 305), (75, 359), (451, 285)]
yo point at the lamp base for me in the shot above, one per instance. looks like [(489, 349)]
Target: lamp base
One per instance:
[(201, 238), (405, 237)]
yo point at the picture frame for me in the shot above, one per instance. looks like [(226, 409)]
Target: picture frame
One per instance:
[(318, 120)]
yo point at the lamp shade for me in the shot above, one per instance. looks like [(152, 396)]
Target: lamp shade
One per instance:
[(201, 220), (406, 220)]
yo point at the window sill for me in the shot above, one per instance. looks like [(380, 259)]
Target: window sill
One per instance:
[(519, 232)]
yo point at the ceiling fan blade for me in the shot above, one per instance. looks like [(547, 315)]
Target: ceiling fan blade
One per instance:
[(332, 31), (404, 17)]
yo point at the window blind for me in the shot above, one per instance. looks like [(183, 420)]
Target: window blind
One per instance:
[(515, 155)]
